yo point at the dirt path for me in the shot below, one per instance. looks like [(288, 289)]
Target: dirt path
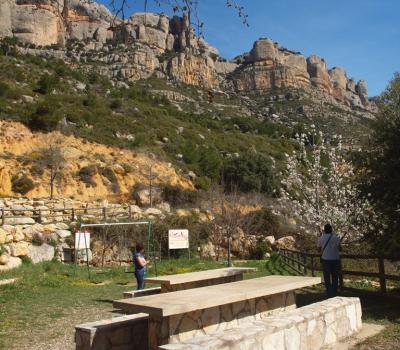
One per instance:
[(61, 332)]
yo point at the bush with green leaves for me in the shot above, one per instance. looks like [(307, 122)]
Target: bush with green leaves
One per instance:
[(258, 252), (178, 196), (26, 260), (380, 170), (22, 184), (47, 83), (86, 174), (45, 117), (250, 172), (109, 174), (264, 222), (4, 89)]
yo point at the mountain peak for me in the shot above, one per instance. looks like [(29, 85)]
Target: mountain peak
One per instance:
[(167, 46)]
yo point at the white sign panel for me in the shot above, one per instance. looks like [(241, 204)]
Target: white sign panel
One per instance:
[(178, 239), (82, 240)]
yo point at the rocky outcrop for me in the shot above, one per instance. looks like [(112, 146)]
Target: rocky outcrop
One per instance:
[(154, 44), (270, 66), (193, 69), (319, 76), (48, 22)]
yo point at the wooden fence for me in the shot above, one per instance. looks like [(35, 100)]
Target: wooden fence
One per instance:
[(309, 263), (67, 214)]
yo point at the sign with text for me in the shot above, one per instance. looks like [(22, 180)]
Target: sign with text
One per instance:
[(82, 240), (178, 239)]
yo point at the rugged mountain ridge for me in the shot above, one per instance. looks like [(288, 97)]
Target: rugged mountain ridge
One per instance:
[(156, 45), (270, 66)]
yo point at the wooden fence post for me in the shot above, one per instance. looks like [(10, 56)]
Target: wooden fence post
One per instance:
[(341, 279), (298, 258), (305, 263), (105, 213), (382, 277), (73, 214), (3, 216), (312, 267)]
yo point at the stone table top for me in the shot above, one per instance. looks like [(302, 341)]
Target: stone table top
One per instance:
[(184, 301), (199, 276)]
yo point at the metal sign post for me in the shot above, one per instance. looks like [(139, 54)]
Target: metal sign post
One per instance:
[(86, 237), (178, 239)]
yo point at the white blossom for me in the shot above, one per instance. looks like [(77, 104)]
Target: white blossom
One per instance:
[(319, 186)]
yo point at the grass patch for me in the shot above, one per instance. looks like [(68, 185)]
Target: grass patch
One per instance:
[(50, 298)]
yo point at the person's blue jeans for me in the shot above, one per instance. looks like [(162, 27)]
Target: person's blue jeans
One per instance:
[(331, 270), (139, 274)]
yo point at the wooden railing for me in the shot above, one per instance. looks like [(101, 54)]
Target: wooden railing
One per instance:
[(51, 215), (309, 263)]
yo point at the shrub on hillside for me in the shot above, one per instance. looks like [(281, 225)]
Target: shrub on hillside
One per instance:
[(249, 173), (8, 46), (204, 161), (4, 89), (86, 174), (264, 222), (116, 103), (110, 176), (44, 117), (258, 252), (203, 183), (22, 184), (47, 83), (177, 196)]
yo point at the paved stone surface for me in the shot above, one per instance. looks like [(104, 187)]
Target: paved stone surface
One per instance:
[(201, 298), (173, 283), (142, 293), (368, 330), (178, 316), (312, 327)]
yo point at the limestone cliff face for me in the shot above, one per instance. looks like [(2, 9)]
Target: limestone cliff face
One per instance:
[(154, 44), (269, 66), (193, 70), (48, 22)]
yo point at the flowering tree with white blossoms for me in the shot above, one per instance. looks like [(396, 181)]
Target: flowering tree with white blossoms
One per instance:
[(319, 186)]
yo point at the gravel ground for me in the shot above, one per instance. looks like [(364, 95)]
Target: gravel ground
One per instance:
[(60, 336)]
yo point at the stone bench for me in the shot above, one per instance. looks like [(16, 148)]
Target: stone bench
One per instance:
[(178, 316), (142, 292), (198, 279), (119, 333), (311, 327)]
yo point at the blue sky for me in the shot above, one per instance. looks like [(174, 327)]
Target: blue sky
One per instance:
[(363, 36)]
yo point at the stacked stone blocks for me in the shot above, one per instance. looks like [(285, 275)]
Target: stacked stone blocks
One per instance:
[(308, 328)]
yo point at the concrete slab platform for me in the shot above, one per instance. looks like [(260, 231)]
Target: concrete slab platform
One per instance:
[(368, 330)]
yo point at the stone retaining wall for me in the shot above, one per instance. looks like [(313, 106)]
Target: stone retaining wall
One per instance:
[(182, 327), (120, 333), (307, 328)]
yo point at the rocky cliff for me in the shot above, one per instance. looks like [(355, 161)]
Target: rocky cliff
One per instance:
[(48, 22), (269, 66), (150, 44)]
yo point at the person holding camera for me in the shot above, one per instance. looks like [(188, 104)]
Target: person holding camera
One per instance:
[(329, 243)]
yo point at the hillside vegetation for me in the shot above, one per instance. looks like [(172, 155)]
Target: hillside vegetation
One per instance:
[(47, 95)]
